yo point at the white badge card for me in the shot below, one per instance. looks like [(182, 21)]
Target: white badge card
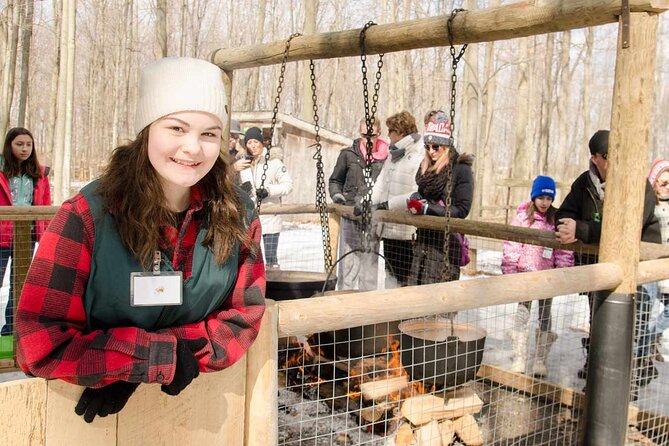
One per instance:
[(150, 289), (548, 253)]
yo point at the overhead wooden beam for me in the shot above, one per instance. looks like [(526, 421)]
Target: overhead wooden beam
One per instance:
[(509, 21), (334, 312)]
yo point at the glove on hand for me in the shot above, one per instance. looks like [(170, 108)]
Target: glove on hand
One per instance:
[(416, 207), (416, 196), (261, 194), (105, 400), (247, 187), (187, 366), (358, 209), (382, 206), (338, 198)]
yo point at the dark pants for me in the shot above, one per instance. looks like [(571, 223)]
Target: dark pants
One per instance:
[(271, 243), (5, 254), (544, 312), (398, 255)]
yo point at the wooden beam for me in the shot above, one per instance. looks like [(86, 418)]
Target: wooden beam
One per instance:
[(334, 312), (27, 213), (518, 19), (653, 270)]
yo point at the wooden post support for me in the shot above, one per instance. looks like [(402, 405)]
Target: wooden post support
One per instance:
[(227, 84), (261, 420), (611, 343)]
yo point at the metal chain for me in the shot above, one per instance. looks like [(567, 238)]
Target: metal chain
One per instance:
[(277, 100), (370, 112), (455, 59), (321, 194)]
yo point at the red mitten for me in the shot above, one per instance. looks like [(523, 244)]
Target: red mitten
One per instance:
[(416, 207)]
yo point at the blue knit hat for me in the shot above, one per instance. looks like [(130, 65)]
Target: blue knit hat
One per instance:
[(543, 186)]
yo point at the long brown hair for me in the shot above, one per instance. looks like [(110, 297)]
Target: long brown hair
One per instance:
[(437, 166), (13, 167), (131, 189), (550, 213)]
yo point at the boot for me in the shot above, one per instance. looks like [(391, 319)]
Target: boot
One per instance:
[(519, 339), (583, 372), (545, 340)]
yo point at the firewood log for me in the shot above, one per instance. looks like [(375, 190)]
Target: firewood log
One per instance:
[(429, 434), (447, 432), (379, 389), (424, 408), (404, 436), (468, 431)]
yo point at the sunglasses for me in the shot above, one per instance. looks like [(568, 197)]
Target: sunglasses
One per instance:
[(374, 135), (433, 147), (605, 155)]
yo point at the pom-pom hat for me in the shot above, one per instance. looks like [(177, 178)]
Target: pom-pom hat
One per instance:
[(656, 170), (438, 131), (176, 84)]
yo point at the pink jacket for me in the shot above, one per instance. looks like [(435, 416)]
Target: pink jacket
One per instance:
[(41, 197), (519, 257)]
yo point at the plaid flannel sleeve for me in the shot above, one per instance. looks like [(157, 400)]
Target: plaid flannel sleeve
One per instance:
[(231, 330), (53, 340)]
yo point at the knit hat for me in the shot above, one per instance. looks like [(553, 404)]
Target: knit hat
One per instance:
[(543, 186), (253, 133), (235, 128), (175, 84), (656, 170), (599, 143), (438, 131)]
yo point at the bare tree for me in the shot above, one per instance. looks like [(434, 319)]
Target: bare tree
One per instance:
[(310, 13), (26, 37), (252, 92), (161, 28), (11, 42)]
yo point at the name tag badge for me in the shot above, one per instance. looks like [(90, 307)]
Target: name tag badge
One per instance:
[(150, 289), (548, 253)]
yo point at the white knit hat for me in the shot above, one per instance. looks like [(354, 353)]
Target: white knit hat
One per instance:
[(175, 84)]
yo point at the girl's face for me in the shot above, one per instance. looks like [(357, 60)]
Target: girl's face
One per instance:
[(662, 185), (543, 203), (254, 147), (182, 148), (22, 147), (434, 151)]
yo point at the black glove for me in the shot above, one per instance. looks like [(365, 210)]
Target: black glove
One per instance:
[(261, 194), (247, 187), (357, 209), (382, 206), (105, 400), (187, 368), (338, 198), (415, 196)]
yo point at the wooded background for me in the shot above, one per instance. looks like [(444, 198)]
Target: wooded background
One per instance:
[(525, 106)]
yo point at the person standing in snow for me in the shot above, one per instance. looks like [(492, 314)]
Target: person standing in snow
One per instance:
[(537, 213)]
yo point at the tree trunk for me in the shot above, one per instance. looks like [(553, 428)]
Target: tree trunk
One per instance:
[(310, 14), (11, 47), (575, 167), (161, 28), (563, 107), (252, 93), (521, 161), (26, 38), (548, 94), (469, 119)]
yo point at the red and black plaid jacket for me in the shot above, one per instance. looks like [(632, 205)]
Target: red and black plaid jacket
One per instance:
[(51, 322)]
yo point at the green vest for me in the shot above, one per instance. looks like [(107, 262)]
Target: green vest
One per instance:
[(107, 297)]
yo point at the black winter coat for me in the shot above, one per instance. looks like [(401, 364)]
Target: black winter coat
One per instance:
[(584, 206), (348, 177)]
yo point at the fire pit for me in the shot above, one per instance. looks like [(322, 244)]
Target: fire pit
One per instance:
[(285, 285), (441, 353)]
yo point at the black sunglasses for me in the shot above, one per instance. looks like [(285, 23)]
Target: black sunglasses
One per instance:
[(434, 147), (605, 155)]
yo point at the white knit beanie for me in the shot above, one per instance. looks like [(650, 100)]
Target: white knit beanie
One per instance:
[(175, 84)]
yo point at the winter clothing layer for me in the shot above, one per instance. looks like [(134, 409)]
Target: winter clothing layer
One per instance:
[(662, 214), (656, 170), (277, 182), (53, 338), (396, 182), (428, 250), (521, 257), (584, 205), (348, 175), (41, 197)]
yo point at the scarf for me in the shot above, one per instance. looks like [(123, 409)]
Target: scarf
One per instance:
[(432, 185), (597, 180), (397, 151), (379, 151)]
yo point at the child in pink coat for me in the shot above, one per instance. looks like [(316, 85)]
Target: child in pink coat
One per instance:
[(538, 213)]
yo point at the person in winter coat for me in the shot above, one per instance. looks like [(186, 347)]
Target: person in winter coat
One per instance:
[(442, 168), (277, 184), (658, 178), (152, 273), (23, 182), (538, 213), (395, 182), (357, 270), (580, 218)]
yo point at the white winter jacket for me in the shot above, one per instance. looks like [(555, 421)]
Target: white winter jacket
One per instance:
[(277, 182), (396, 182)]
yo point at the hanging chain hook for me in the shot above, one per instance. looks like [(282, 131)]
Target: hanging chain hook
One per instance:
[(275, 112), (370, 112), (446, 275)]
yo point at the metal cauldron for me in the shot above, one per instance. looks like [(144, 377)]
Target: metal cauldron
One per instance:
[(286, 285), (441, 352)]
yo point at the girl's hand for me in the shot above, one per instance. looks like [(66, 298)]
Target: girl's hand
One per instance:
[(241, 164)]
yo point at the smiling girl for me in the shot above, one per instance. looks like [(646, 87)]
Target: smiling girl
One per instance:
[(151, 273), (23, 182), (538, 213)]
